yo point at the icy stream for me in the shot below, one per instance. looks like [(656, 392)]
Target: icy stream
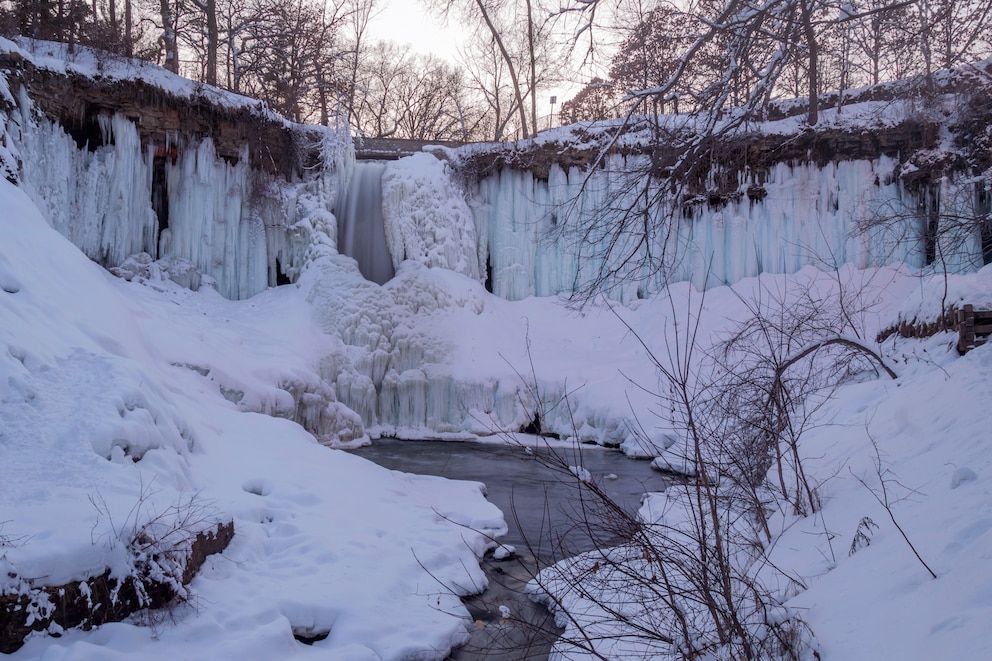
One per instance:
[(540, 511)]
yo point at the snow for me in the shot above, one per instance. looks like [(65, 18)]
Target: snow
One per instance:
[(112, 391), (120, 397)]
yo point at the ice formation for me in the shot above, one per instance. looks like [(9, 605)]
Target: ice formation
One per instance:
[(243, 228), (408, 224), (547, 237), (100, 199), (427, 219)]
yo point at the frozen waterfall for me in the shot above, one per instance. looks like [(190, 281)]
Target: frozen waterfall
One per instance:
[(547, 236), (361, 234)]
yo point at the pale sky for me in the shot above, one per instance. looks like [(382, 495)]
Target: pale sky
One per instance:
[(408, 22)]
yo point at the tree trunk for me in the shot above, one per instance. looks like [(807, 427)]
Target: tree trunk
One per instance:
[(128, 34), (213, 37), (169, 37), (509, 65), (533, 68), (813, 47)]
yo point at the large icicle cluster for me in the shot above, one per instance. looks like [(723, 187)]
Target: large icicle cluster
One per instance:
[(241, 227), (546, 237), (100, 199), (427, 219), (392, 370), (210, 221)]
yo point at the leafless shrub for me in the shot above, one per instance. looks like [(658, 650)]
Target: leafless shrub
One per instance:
[(774, 373), (686, 582), (157, 542), (692, 579), (862, 536)]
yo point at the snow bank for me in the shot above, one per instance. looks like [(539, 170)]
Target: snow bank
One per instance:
[(918, 442), (122, 393)]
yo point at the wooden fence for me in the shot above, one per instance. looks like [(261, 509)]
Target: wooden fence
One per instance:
[(974, 327)]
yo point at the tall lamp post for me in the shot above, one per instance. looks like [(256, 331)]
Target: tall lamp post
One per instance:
[(551, 119)]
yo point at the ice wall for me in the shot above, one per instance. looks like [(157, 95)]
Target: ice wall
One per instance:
[(548, 237), (100, 199), (246, 229), (210, 221)]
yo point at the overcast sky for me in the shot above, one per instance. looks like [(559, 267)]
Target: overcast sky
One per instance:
[(408, 22)]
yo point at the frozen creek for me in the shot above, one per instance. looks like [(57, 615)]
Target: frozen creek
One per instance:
[(540, 511)]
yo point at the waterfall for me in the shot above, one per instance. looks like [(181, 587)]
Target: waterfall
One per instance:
[(361, 235)]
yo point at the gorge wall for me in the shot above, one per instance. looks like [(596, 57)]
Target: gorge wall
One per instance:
[(890, 178), (127, 160)]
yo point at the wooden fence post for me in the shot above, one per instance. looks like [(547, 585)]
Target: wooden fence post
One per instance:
[(966, 328)]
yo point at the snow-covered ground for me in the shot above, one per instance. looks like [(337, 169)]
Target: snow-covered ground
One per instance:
[(99, 372), (111, 392), (119, 399), (919, 442)]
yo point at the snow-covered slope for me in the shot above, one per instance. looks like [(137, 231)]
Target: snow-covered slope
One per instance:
[(115, 396)]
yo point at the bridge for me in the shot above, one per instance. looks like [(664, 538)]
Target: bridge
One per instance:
[(390, 149)]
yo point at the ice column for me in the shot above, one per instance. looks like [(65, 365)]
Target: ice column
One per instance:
[(210, 221)]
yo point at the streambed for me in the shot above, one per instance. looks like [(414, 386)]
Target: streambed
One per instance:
[(542, 512)]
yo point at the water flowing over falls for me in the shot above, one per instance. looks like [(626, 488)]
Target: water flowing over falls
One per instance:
[(361, 234)]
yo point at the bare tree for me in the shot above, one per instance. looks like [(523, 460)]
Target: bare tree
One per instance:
[(168, 37), (520, 39), (689, 580), (405, 95), (488, 81), (359, 13), (597, 100), (951, 31)]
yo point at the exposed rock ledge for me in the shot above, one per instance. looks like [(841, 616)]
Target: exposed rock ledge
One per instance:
[(958, 101), (98, 599), (75, 101)]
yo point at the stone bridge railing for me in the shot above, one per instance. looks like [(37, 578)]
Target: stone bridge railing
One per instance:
[(390, 149)]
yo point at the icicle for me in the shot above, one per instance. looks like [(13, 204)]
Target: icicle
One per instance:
[(538, 243)]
